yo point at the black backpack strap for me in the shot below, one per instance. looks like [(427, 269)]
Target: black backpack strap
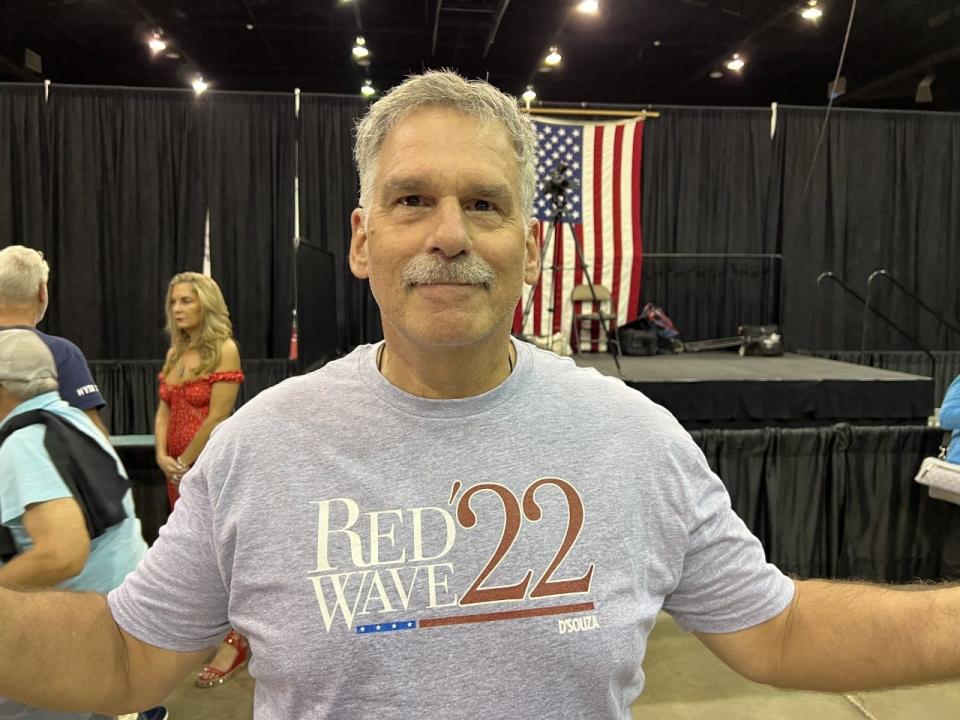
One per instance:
[(86, 468), (8, 548)]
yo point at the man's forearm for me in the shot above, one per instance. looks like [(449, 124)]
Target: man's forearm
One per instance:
[(35, 568), (62, 651), (843, 636)]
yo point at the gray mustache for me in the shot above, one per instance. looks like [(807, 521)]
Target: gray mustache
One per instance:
[(430, 270)]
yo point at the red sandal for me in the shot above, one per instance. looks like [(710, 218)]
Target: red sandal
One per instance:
[(210, 676)]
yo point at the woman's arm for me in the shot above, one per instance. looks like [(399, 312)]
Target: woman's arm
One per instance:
[(166, 463), (223, 396)]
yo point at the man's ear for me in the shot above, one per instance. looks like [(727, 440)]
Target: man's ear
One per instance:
[(531, 265), (358, 245)]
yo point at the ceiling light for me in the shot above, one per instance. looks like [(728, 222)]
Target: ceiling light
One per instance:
[(736, 63), (811, 12), (199, 85), (656, 43), (156, 43), (553, 57), (716, 74), (249, 26), (529, 95), (360, 48), (589, 7), (367, 89)]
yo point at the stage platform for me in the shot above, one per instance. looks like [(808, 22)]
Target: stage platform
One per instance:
[(723, 389)]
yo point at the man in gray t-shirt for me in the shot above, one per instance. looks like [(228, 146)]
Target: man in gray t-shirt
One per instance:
[(452, 524)]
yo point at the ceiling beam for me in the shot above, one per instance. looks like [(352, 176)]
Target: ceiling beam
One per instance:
[(772, 19), (927, 63), (504, 4), (9, 67), (263, 36)]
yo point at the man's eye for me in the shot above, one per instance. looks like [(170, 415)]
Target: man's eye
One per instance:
[(482, 205), (411, 200)]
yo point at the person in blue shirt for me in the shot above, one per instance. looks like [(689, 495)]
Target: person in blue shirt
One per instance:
[(47, 524), (23, 302), (950, 421)]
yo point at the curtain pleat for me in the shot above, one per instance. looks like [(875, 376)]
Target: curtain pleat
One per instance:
[(329, 189)]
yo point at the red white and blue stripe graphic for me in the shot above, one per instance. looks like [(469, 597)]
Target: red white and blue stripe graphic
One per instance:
[(474, 618), (603, 213)]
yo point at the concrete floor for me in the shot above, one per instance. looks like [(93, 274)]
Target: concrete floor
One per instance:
[(684, 682)]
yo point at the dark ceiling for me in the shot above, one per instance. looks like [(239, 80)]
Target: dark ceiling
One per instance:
[(633, 52)]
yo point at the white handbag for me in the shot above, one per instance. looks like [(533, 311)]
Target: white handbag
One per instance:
[(941, 477)]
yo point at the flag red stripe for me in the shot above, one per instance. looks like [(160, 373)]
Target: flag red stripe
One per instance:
[(538, 290), (636, 198), (617, 222), (597, 269), (558, 241), (577, 280)]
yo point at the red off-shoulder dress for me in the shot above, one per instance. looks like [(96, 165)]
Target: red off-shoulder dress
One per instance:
[(189, 404)]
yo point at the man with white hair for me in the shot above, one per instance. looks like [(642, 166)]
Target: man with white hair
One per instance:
[(66, 513), (24, 296), (427, 528)]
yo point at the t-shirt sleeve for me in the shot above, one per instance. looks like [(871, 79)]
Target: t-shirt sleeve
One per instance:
[(27, 474), (77, 386), (726, 583), (177, 597)]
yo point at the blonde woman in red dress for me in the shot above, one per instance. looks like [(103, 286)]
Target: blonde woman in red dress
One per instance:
[(198, 388)]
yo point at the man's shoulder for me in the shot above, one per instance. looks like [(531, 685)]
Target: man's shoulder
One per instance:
[(563, 378), (300, 399), (582, 400), (63, 350)]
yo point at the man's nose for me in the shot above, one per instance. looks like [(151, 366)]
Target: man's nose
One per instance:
[(450, 234)]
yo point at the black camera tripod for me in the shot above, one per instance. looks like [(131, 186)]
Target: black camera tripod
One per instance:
[(558, 185)]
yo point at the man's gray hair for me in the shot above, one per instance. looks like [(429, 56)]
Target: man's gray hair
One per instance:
[(445, 88), (22, 270)]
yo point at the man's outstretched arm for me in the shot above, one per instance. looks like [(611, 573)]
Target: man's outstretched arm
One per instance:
[(64, 651), (839, 636)]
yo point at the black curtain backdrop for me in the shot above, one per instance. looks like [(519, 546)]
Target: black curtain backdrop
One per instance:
[(885, 193), (705, 178), (21, 165), (119, 180), (835, 502), (131, 388), (249, 145), (125, 211), (329, 190)]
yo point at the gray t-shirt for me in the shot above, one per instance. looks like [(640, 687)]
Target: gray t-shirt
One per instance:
[(498, 556)]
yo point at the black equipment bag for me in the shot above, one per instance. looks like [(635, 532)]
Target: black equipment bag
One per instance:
[(88, 471), (763, 340)]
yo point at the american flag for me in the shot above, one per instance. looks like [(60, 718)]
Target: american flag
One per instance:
[(603, 213)]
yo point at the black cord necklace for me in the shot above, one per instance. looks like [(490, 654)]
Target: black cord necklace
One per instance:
[(384, 347)]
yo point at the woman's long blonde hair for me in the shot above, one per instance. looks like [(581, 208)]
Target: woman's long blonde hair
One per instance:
[(215, 325)]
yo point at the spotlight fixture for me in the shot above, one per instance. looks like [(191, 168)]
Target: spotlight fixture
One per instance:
[(735, 63), (360, 49), (199, 85), (156, 43), (529, 95), (812, 12), (589, 7), (367, 88), (553, 57)]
